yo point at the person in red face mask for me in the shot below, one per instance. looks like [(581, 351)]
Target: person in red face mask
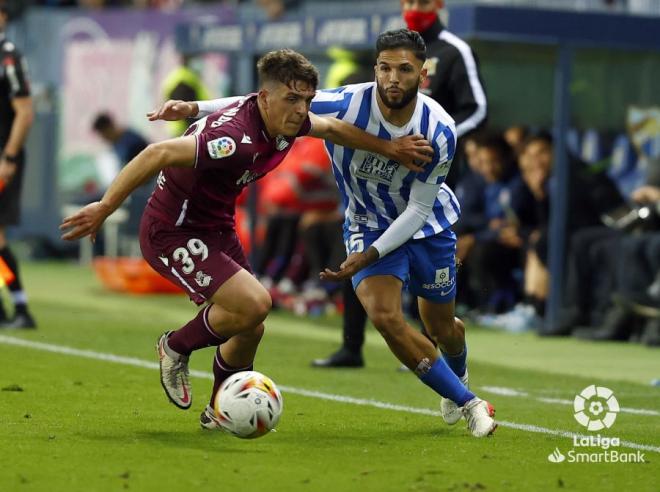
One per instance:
[(453, 80), (453, 71)]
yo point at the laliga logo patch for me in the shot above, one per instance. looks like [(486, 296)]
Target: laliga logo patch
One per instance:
[(221, 147), (590, 407)]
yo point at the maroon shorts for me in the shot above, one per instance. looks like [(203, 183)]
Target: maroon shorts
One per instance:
[(198, 260)]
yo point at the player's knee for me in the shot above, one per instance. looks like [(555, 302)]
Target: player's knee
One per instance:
[(387, 321), (258, 308)]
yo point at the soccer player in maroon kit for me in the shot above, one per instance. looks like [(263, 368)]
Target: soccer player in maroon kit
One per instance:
[(188, 233)]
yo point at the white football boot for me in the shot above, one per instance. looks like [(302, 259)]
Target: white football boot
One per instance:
[(479, 415), (174, 374), (451, 413)]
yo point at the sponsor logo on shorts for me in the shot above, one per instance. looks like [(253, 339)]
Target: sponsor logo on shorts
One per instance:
[(221, 147), (361, 218), (443, 280), (202, 279)]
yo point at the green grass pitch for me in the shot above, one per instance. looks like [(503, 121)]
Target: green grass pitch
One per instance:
[(74, 419)]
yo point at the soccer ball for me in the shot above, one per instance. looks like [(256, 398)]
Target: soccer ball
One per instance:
[(248, 404)]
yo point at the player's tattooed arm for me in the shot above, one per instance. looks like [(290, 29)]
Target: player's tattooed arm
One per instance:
[(177, 152), (411, 151)]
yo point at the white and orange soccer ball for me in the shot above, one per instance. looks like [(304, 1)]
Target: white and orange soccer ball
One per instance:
[(248, 405)]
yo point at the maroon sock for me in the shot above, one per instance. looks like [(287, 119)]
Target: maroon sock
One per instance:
[(195, 335), (222, 370)]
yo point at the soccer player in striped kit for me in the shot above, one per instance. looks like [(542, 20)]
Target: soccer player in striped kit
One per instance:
[(398, 223)]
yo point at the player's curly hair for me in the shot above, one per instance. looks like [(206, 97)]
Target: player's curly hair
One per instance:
[(402, 39), (286, 66)]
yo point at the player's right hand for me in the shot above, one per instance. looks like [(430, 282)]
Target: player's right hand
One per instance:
[(174, 110), (411, 151), (86, 222)]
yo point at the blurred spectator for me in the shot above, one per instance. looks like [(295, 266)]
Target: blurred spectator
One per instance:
[(126, 144), (594, 261), (497, 235), (591, 194), (634, 260), (515, 136), (470, 194), (184, 84)]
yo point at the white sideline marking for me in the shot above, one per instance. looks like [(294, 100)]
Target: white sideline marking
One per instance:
[(499, 390), (132, 361)]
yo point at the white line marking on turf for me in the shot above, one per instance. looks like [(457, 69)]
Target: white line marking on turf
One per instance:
[(132, 361), (499, 390)]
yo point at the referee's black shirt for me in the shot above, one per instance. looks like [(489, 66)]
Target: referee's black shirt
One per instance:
[(13, 83)]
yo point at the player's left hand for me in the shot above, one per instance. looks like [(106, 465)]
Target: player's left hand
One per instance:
[(86, 222), (353, 264), (411, 151)]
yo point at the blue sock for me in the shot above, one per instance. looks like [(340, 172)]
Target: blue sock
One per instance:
[(440, 378), (457, 362)]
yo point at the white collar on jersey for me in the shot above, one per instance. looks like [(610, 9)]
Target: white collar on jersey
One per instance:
[(396, 131)]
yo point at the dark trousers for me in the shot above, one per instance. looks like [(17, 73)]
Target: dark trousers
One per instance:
[(591, 277)]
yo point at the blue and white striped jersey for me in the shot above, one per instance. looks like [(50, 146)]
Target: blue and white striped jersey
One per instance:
[(375, 190)]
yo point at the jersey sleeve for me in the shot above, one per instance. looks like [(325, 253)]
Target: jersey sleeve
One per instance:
[(213, 105), (215, 147), (333, 102), (443, 142), (15, 68)]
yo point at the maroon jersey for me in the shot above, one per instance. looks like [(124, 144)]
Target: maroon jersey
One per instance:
[(233, 149)]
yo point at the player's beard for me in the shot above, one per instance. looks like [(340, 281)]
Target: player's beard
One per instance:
[(406, 97)]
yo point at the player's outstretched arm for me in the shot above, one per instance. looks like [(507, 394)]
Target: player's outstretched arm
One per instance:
[(174, 110), (410, 151), (88, 220)]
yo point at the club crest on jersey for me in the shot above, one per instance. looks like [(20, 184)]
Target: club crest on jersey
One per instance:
[(221, 147), (202, 279), (377, 169), (281, 143)]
